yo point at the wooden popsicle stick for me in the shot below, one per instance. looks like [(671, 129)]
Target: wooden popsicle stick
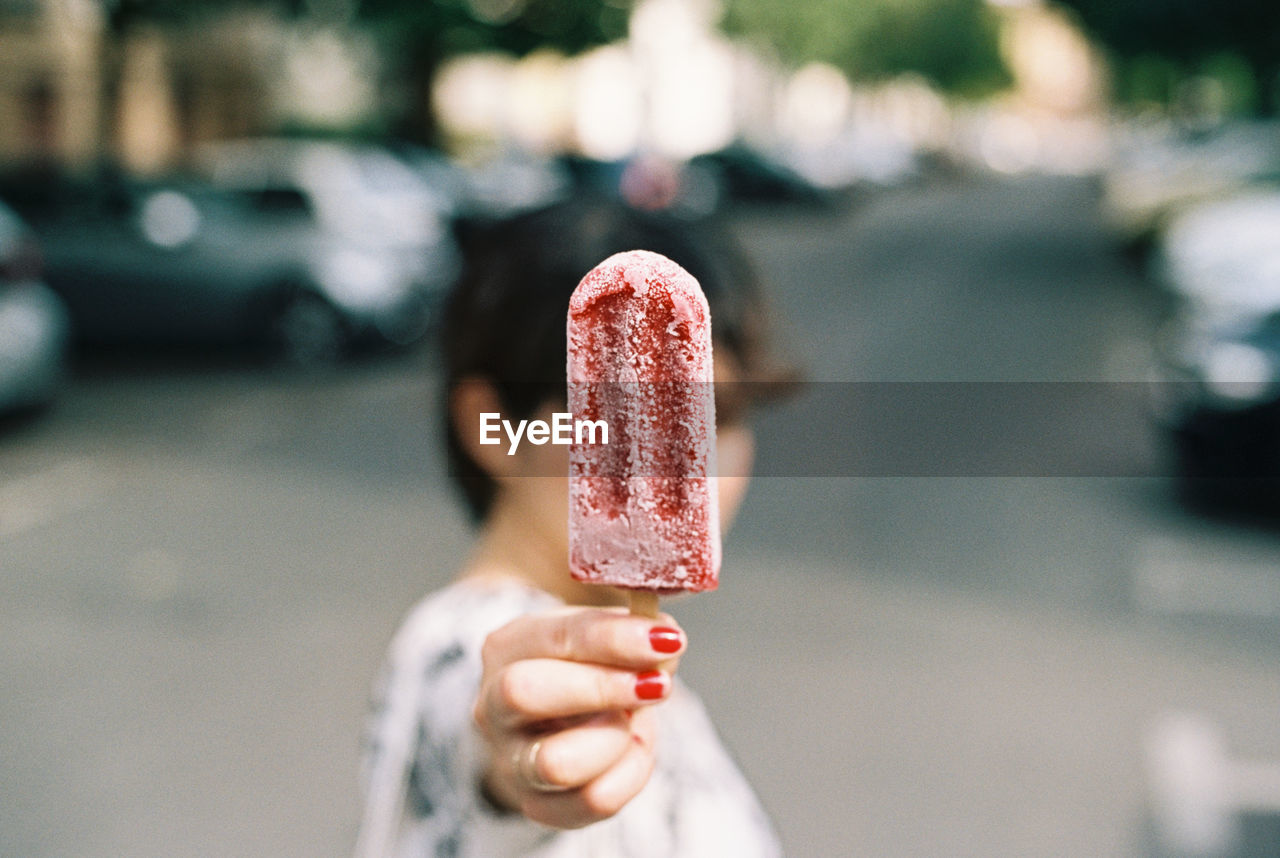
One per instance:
[(644, 603)]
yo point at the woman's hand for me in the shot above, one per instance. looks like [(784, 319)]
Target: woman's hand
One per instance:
[(565, 709)]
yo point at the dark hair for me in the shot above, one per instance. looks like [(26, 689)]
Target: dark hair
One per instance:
[(504, 320)]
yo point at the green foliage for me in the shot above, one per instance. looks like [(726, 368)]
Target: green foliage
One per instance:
[(1183, 30), (418, 35), (124, 14), (1147, 79), (1237, 80), (953, 43), (434, 28), (1236, 42), (445, 27)]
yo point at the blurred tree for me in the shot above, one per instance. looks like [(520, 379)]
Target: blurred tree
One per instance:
[(953, 43), (124, 15), (1190, 37), (417, 36)]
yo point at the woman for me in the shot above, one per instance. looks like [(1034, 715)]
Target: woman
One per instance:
[(522, 712)]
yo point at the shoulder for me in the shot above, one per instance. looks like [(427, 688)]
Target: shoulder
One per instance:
[(417, 757), (422, 696)]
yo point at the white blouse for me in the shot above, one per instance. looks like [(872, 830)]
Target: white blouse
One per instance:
[(421, 758)]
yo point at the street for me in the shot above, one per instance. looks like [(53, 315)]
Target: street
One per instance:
[(201, 563)]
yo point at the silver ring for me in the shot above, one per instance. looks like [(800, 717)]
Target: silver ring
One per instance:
[(526, 764)]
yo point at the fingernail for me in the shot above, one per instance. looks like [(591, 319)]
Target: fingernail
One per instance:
[(665, 640), (651, 685)]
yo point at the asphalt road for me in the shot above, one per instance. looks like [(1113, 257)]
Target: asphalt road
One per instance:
[(201, 563)]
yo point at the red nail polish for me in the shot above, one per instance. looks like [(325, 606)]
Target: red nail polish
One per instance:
[(651, 685), (665, 640)]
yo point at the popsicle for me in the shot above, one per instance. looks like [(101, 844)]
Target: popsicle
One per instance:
[(642, 508)]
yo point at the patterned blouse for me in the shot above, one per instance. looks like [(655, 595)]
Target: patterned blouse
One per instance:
[(421, 758)]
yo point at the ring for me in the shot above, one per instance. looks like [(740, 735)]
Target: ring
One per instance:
[(526, 764)]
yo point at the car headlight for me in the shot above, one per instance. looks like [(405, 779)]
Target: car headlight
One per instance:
[(1237, 374), (169, 219), (358, 279)]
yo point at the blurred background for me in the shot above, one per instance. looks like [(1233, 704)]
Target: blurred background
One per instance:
[(1008, 581)]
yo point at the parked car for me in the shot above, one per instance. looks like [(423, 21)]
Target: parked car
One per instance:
[(508, 182), (1159, 171), (515, 181), (743, 173), (33, 323), (181, 262), (363, 194), (1220, 352)]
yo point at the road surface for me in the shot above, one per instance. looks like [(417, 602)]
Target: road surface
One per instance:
[(201, 563)]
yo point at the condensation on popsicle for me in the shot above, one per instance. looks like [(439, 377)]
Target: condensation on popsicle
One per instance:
[(642, 508)]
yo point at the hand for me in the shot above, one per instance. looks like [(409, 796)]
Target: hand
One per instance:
[(565, 708)]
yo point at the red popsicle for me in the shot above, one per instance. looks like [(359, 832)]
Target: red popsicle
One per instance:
[(642, 508)]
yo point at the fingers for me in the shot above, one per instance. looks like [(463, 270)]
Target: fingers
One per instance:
[(603, 637), (576, 756), (565, 709), (532, 691), (602, 795)]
